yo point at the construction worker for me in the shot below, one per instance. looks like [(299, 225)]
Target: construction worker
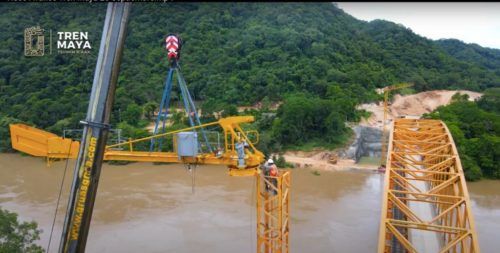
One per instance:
[(240, 149), (271, 171)]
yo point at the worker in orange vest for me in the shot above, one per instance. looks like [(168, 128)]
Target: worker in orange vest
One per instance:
[(271, 171)]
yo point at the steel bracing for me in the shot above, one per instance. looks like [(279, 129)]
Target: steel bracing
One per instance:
[(426, 206), (273, 212)]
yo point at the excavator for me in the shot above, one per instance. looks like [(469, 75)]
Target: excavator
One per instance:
[(273, 192)]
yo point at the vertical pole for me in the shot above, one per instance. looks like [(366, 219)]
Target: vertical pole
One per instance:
[(259, 207), (195, 112), (119, 136), (95, 131), (168, 82), (384, 136), (166, 105)]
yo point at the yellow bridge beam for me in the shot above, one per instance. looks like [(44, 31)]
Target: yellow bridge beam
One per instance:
[(424, 171)]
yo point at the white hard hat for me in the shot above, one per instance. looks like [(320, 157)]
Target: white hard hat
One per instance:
[(270, 161)]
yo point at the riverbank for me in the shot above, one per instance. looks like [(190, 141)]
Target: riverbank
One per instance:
[(320, 160)]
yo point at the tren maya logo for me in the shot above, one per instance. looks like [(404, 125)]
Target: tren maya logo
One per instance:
[(34, 41), (67, 42)]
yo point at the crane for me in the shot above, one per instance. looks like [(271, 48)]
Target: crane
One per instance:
[(383, 140), (273, 192)]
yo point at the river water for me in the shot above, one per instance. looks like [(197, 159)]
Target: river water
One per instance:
[(141, 207)]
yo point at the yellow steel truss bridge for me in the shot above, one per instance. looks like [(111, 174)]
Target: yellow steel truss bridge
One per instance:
[(426, 206)]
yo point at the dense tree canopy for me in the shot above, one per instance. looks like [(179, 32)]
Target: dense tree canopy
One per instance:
[(475, 128)]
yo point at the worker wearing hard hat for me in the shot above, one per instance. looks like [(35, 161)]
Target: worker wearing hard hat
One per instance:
[(271, 172), (272, 169), (240, 150)]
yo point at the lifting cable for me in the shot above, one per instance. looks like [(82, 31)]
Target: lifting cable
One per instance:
[(192, 171), (59, 198)]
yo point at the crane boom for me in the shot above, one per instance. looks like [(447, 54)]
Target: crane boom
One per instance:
[(38, 142), (386, 91)]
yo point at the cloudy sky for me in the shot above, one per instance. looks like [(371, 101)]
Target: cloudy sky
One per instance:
[(470, 22)]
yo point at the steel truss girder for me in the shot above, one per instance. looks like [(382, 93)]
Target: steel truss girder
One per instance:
[(424, 151), (273, 213)]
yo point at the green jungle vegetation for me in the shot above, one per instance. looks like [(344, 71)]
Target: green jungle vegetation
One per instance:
[(17, 236), (475, 127), (315, 58)]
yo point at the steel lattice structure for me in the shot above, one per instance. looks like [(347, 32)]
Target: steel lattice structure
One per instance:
[(273, 210), (426, 206)]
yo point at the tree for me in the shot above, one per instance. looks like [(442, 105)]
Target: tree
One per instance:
[(457, 97), (229, 110), (5, 144), (476, 135), (133, 114), (149, 109), (490, 101), (18, 236), (304, 118)]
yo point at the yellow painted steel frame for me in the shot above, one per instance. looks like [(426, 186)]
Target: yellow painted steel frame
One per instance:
[(423, 150), (41, 143), (273, 213)]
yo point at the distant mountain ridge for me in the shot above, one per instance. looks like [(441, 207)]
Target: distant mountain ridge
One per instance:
[(483, 56)]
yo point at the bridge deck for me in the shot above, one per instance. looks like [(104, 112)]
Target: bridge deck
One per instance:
[(425, 204)]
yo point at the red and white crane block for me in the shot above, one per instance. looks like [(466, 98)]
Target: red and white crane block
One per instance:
[(173, 46)]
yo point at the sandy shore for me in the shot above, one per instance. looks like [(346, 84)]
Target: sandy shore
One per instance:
[(319, 160)]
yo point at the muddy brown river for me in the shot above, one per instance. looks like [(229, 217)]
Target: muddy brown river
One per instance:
[(143, 207)]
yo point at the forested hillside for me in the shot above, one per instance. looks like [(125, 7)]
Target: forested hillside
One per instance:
[(234, 54), (475, 127), (485, 57)]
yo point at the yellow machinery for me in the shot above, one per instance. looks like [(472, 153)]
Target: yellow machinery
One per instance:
[(426, 206), (386, 112), (272, 209), (37, 142)]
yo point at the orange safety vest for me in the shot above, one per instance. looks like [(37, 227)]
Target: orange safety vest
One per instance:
[(273, 171)]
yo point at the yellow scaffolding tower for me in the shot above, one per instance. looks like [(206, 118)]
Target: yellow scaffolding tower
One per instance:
[(425, 194), (273, 212)]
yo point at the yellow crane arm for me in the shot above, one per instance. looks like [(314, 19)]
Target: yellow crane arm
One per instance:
[(386, 90), (397, 86), (38, 142)]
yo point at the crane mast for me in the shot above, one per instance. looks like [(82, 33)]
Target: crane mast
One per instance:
[(386, 90), (95, 131)]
